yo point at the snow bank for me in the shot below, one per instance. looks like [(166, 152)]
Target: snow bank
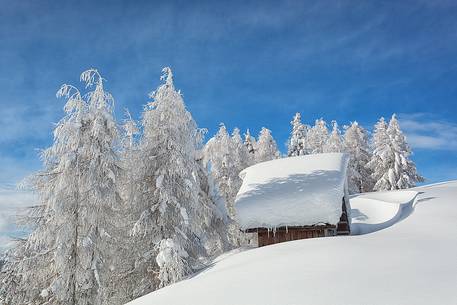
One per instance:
[(410, 262), (375, 211), (293, 191)]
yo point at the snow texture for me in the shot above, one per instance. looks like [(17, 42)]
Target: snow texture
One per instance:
[(410, 261), (294, 191)]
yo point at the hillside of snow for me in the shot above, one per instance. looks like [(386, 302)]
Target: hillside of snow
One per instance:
[(403, 251)]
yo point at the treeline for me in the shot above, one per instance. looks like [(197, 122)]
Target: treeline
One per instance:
[(380, 162)]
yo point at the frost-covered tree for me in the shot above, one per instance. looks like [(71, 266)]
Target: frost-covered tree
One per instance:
[(171, 259), (171, 194), (221, 160), (68, 256), (250, 143), (131, 130), (297, 141), (240, 152), (403, 174), (356, 144), (334, 142), (266, 148), (379, 163), (392, 168), (317, 137), (226, 157)]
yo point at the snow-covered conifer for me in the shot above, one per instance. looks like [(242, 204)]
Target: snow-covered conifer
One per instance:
[(171, 193), (67, 257), (249, 142), (379, 164), (317, 137), (130, 129), (227, 156), (392, 168), (266, 148), (356, 144), (334, 142), (219, 155), (297, 140), (403, 174), (172, 262), (240, 152)]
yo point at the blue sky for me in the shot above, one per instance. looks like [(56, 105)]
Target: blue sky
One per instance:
[(248, 64)]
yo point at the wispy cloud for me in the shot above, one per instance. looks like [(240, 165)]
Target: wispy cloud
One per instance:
[(425, 131), (12, 201), (22, 121)]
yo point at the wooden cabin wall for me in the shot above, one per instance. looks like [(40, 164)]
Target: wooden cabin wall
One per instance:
[(266, 237)]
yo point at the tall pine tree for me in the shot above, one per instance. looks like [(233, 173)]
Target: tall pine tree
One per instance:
[(67, 257), (356, 144), (250, 143), (297, 141), (334, 142), (221, 160), (266, 148), (226, 157), (178, 220), (391, 166), (317, 137)]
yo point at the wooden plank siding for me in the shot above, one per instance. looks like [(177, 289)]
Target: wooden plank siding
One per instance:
[(282, 234)]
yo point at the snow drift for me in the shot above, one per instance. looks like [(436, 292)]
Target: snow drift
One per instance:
[(412, 260)]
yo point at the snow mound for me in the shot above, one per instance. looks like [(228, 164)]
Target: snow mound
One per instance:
[(410, 262), (293, 191), (372, 212)]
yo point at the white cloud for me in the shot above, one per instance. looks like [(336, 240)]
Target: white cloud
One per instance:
[(425, 131), (12, 202)]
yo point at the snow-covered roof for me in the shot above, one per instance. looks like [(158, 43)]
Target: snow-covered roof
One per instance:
[(294, 191)]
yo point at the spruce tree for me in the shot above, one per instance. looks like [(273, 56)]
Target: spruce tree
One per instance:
[(317, 137), (67, 257), (334, 142), (130, 129), (379, 164), (266, 148), (249, 142), (403, 174), (226, 157), (220, 157), (356, 144), (297, 141), (391, 166), (178, 221), (240, 152)]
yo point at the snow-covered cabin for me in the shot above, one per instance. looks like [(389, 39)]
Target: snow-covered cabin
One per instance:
[(295, 198)]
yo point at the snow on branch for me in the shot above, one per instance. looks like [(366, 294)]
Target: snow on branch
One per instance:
[(91, 77)]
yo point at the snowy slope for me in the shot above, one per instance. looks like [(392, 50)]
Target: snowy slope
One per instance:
[(294, 191), (410, 258)]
